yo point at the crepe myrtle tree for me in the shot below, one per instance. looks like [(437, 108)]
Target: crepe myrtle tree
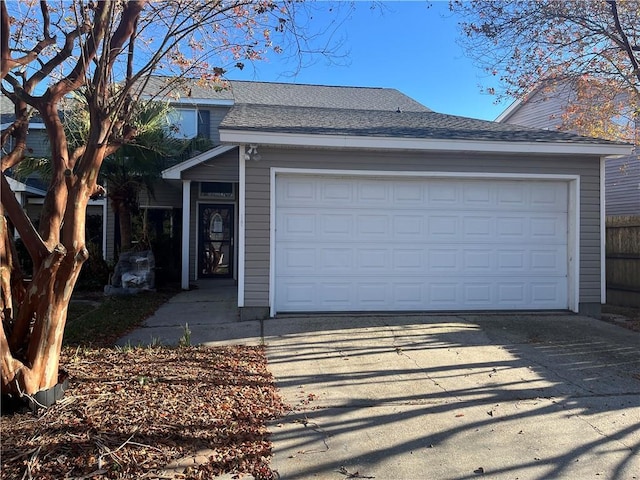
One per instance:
[(590, 48), (107, 52)]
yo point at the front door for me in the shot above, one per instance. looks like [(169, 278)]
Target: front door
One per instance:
[(215, 232)]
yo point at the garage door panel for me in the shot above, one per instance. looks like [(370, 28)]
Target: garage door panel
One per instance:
[(336, 191), (478, 228), (477, 195), (409, 195), (549, 196), (373, 226), (336, 260), (409, 260), (338, 226), (335, 295), (443, 228), (299, 191), (373, 193), (296, 224), (477, 260), (345, 244), (551, 227), (443, 260)]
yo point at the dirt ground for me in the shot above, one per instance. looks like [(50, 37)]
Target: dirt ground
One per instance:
[(627, 317)]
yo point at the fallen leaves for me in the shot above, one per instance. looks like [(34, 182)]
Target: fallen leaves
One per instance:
[(349, 474), (128, 414)]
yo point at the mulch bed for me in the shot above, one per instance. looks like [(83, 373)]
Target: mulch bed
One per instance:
[(149, 413), (626, 317)]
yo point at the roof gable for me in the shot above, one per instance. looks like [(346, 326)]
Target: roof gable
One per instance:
[(284, 94)]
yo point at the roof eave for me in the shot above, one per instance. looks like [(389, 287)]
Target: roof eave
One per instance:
[(175, 172), (18, 186), (239, 137)]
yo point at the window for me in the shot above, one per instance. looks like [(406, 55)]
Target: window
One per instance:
[(183, 123), (216, 190)]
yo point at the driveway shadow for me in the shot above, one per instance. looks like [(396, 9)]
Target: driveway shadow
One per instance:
[(456, 396)]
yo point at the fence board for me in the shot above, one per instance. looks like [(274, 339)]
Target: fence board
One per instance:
[(623, 261)]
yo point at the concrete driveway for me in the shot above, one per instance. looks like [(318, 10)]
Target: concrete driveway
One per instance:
[(456, 397)]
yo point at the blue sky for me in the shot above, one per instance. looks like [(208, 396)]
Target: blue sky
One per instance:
[(410, 46)]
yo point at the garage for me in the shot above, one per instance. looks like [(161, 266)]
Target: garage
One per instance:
[(419, 243)]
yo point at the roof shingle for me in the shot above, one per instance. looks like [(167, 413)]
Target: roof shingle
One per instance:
[(378, 123)]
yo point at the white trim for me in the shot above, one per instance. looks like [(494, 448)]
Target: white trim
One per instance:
[(104, 229), (391, 143), (90, 203), (186, 216), (426, 174), (34, 126), (573, 241), (241, 223), (509, 110), (17, 186), (272, 238), (603, 234), (191, 101), (573, 214), (175, 172)]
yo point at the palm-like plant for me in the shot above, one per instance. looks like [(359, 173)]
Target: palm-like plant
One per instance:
[(134, 168), (138, 164)]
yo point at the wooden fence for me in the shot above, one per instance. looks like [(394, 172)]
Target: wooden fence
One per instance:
[(623, 261)]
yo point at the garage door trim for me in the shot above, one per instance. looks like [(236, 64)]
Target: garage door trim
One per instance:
[(573, 215)]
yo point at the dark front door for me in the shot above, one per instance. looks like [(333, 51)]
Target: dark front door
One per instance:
[(215, 231)]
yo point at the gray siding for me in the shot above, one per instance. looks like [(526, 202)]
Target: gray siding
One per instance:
[(38, 142), (216, 116), (258, 198), (540, 110), (622, 186), (223, 168), (165, 194)]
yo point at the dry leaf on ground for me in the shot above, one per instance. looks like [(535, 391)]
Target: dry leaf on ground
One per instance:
[(129, 413)]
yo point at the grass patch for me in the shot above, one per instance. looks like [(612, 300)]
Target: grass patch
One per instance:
[(99, 322)]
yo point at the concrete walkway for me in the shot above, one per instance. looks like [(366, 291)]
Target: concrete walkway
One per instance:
[(210, 313), (436, 396)]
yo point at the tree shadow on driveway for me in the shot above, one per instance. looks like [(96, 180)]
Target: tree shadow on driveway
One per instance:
[(456, 396)]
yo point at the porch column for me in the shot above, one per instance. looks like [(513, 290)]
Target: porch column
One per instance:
[(241, 224), (186, 216)]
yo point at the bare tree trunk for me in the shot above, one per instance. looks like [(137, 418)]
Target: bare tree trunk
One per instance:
[(31, 348)]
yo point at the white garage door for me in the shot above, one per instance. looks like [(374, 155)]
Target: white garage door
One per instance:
[(380, 244)]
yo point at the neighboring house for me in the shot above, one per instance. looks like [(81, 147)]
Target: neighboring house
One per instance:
[(321, 198), (542, 109), (31, 191)]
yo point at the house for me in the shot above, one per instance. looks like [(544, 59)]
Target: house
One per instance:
[(323, 199), (543, 109), (326, 198)]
